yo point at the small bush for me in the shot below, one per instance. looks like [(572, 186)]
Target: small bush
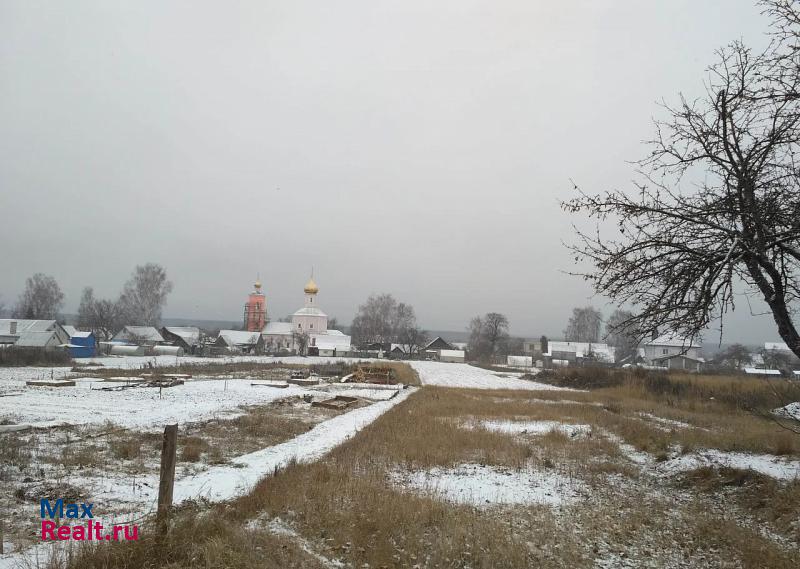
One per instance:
[(193, 448), (127, 448)]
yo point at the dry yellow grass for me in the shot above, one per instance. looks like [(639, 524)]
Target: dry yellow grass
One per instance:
[(348, 508)]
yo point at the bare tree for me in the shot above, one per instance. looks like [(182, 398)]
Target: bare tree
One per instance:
[(735, 356), (779, 359), (381, 319), (2, 308), (100, 316), (584, 325), (42, 298), (487, 335), (300, 340), (144, 295), (621, 334), (717, 207), (412, 338)]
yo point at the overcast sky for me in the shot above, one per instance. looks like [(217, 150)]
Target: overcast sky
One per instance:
[(413, 147)]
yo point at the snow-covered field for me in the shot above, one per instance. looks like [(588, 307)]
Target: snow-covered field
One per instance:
[(141, 408), (464, 375)]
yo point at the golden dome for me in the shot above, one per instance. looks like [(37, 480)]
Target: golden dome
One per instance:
[(257, 284), (311, 287)]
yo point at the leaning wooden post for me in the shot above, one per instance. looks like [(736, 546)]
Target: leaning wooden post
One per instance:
[(166, 481)]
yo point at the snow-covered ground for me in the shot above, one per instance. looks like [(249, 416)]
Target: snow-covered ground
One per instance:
[(143, 408), (464, 375), (767, 464), (482, 485), (217, 482), (535, 427), (790, 411)]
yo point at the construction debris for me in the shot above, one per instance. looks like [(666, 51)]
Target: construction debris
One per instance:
[(338, 402), (304, 381), (122, 379), (50, 383), (372, 374), (278, 384)]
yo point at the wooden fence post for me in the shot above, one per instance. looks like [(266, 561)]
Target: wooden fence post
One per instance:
[(166, 482), (1, 537)]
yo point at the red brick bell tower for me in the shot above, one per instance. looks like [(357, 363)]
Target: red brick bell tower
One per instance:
[(255, 311)]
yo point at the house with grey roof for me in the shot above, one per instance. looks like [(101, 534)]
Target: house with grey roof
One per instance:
[(22, 333), (671, 351), (186, 337), (139, 336)]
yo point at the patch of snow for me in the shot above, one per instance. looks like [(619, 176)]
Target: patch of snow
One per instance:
[(790, 411), (767, 464), (669, 423), (466, 376), (138, 407), (631, 452), (486, 485), (535, 427)]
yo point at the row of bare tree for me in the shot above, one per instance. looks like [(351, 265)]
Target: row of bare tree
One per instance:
[(141, 301)]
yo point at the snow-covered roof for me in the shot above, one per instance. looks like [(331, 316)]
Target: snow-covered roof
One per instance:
[(278, 328), (778, 346), (35, 339), (673, 341), (239, 337), (330, 341), (26, 325), (332, 332), (146, 333), (309, 311), (75, 333), (189, 334), (758, 371), (437, 339)]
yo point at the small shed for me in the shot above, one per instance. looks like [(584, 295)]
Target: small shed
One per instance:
[(451, 356), (82, 344)]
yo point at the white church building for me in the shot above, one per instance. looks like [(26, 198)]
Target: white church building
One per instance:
[(311, 321)]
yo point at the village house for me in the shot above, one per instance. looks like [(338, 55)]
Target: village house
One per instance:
[(240, 341), (186, 337), (139, 336), (47, 334), (671, 352)]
